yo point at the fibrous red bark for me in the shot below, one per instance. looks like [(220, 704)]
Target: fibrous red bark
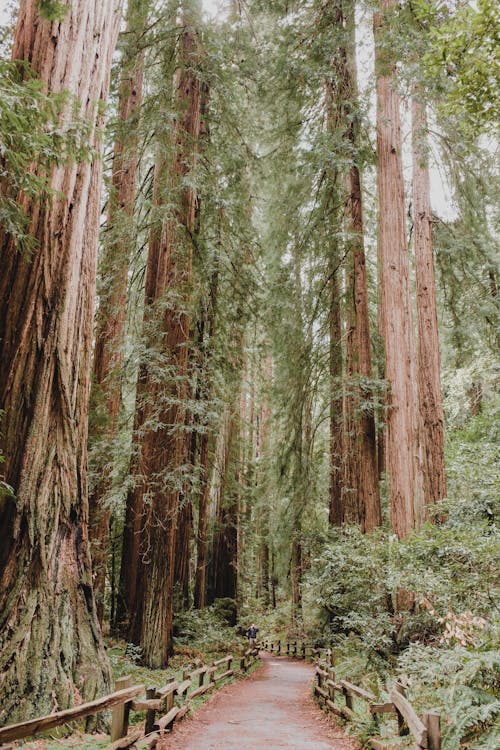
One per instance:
[(163, 449), (50, 642), (402, 446), (114, 266), (429, 360)]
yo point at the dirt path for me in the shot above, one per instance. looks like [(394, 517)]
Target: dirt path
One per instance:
[(271, 710)]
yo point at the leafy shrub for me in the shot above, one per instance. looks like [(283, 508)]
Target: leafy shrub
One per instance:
[(207, 628), (424, 608)]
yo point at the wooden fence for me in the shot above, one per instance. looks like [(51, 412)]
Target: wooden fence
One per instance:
[(425, 730), (163, 706)]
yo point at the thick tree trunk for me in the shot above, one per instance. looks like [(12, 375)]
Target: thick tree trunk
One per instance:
[(50, 642), (402, 419), (134, 511), (263, 510), (429, 360), (114, 265), (361, 445), (363, 477), (200, 591), (163, 444), (336, 408), (295, 576), (225, 540)]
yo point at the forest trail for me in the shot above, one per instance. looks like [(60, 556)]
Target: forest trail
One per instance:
[(271, 710)]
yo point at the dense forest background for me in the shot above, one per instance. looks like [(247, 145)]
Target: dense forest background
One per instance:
[(277, 397)]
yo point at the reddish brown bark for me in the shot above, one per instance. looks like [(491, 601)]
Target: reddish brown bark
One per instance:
[(429, 360), (336, 408), (50, 642), (296, 577), (362, 452), (114, 266), (361, 499), (206, 380), (225, 577), (163, 443), (263, 573), (402, 418)]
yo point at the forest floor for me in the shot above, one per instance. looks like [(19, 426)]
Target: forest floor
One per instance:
[(272, 709)]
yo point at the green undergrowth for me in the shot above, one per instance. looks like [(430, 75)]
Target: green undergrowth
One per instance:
[(424, 610), (201, 637)]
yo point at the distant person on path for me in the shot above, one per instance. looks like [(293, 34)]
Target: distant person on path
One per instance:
[(252, 635)]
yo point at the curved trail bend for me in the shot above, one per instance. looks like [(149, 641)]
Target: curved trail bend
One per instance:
[(271, 710)]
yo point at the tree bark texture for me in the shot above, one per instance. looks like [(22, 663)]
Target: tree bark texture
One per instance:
[(163, 453), (336, 407), (226, 523), (50, 643), (114, 265), (206, 377), (429, 360), (402, 417), (362, 501)]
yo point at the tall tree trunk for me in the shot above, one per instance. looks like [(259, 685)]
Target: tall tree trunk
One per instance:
[(114, 265), (361, 454), (134, 510), (402, 418), (296, 575), (163, 447), (429, 360), (202, 388), (225, 539), (50, 643), (200, 591), (336, 408), (263, 509)]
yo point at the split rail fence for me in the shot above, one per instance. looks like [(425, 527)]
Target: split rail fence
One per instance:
[(425, 730), (163, 706)]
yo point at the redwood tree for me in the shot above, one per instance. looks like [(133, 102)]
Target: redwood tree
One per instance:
[(361, 451), (119, 242), (50, 643), (429, 360), (402, 447), (168, 280)]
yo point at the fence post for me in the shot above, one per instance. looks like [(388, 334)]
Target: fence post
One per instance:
[(331, 691), (119, 715), (403, 729), (150, 714), (348, 698), (432, 722), (279, 648), (303, 650), (229, 662), (169, 703)]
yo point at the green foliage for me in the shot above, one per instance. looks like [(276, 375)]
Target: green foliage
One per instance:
[(463, 54), (53, 10), (33, 139), (206, 630), (426, 608), (463, 684)]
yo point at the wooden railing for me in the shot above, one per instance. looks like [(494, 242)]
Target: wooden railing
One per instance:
[(426, 730), (163, 706)]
